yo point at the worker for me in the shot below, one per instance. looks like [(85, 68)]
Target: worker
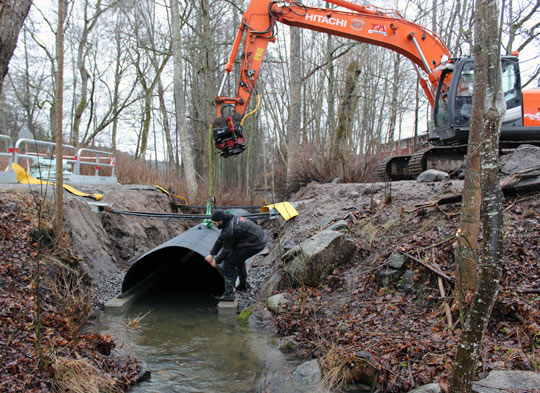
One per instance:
[(239, 240)]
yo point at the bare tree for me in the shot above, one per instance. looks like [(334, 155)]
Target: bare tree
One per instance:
[(347, 108), (487, 115), (89, 23), (12, 16), (180, 103), (295, 88), (59, 105)]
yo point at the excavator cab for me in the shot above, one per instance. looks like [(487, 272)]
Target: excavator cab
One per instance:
[(453, 102), (228, 134)]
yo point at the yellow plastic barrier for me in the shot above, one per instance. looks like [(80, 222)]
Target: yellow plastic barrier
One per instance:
[(286, 210), (24, 178), (170, 193)]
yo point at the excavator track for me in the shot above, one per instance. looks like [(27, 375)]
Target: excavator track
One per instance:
[(443, 158), (394, 168), (449, 159)]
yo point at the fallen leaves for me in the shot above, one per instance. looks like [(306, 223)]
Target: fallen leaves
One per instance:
[(401, 328), (60, 320)]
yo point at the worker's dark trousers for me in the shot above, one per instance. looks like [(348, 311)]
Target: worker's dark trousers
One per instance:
[(235, 266)]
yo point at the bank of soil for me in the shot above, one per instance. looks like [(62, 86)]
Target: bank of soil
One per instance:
[(76, 278), (398, 319), (400, 323)]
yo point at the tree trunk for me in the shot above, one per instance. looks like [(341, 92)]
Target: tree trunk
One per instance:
[(166, 126), (295, 95), (331, 82), (347, 108), (467, 251), (82, 50), (12, 15), (488, 111), (59, 106), (180, 105), (395, 103)]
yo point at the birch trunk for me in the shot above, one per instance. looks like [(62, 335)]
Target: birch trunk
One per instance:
[(180, 104), (295, 95)]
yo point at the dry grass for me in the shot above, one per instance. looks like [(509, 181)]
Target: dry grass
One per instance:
[(70, 294), (79, 376), (336, 373), (132, 171), (316, 164), (335, 370)]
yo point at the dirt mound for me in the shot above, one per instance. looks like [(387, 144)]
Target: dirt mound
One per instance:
[(107, 242), (403, 325)]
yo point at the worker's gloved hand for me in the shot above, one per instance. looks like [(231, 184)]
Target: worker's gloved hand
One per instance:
[(210, 260)]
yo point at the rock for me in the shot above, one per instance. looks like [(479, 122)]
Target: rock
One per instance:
[(396, 261), (357, 388), (275, 302), (273, 283), (312, 260), (386, 277), (363, 371), (287, 347), (432, 175), (144, 373), (429, 388), (523, 158), (261, 319), (504, 381), (340, 226), (10, 207), (407, 281), (308, 373)]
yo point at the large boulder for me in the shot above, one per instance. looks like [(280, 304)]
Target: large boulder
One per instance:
[(523, 158), (508, 381), (363, 370), (432, 175), (312, 260), (275, 302), (308, 373), (429, 388)]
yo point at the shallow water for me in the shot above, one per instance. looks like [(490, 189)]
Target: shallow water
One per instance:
[(189, 347)]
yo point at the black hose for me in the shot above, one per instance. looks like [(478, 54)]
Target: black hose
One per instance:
[(174, 216)]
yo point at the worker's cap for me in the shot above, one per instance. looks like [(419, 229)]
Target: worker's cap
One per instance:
[(218, 215)]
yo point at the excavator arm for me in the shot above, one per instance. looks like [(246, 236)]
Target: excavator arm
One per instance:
[(366, 24)]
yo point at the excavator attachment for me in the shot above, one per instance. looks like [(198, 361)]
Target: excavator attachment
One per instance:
[(228, 135)]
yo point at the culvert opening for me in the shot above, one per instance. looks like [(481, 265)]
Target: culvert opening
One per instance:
[(177, 268)]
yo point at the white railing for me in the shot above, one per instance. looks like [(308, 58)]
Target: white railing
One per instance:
[(42, 158), (42, 155), (83, 158), (7, 176), (9, 148), (37, 155)]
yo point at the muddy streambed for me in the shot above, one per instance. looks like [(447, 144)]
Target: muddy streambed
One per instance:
[(190, 347)]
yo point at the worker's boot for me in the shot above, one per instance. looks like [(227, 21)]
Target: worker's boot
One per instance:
[(243, 286), (228, 294)]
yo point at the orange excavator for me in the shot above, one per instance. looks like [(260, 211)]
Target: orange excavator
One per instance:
[(447, 81)]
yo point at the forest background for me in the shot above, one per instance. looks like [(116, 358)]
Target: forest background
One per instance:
[(121, 93)]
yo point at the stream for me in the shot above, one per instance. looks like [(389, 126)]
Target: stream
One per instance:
[(190, 347)]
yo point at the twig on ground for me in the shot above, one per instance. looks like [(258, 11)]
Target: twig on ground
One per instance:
[(431, 268)]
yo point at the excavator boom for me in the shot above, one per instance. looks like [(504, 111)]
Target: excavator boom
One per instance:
[(360, 23), (366, 24)]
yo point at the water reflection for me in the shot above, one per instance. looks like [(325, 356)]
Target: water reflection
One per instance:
[(187, 346)]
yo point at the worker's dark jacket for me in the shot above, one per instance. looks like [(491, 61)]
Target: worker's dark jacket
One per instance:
[(237, 233)]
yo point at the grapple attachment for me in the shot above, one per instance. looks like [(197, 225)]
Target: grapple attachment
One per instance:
[(228, 136)]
